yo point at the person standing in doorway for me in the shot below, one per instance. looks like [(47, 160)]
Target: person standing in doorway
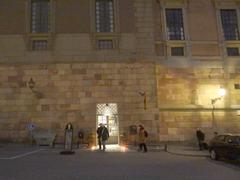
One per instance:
[(99, 135), (142, 138), (103, 135)]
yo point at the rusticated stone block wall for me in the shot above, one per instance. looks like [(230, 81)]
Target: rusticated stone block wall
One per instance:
[(70, 92), (178, 100), (185, 102)]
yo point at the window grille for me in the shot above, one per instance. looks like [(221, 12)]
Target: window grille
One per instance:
[(105, 44), (237, 86), (177, 51), (175, 28), (39, 45), (230, 24), (107, 108), (233, 51), (40, 12), (104, 16)]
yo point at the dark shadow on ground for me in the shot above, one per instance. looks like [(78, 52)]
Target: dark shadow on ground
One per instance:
[(233, 164)]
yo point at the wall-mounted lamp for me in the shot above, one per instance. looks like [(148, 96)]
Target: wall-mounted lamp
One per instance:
[(31, 84), (141, 93), (221, 93), (107, 110)]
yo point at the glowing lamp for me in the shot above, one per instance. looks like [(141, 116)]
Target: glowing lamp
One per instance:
[(221, 92)]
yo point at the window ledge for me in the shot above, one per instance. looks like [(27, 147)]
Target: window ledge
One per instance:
[(114, 37), (106, 35), (30, 37), (232, 42)]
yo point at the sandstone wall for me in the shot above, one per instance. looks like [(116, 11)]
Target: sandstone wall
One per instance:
[(184, 101), (70, 92)]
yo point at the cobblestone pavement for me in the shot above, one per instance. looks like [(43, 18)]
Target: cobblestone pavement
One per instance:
[(47, 164)]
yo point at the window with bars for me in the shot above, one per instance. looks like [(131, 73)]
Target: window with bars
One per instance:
[(40, 12), (232, 51), (177, 51), (104, 16), (175, 26), (105, 44), (39, 45), (237, 86), (230, 24)]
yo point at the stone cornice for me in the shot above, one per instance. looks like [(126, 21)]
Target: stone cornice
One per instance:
[(224, 3)]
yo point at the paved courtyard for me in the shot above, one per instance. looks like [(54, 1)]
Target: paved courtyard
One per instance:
[(44, 163)]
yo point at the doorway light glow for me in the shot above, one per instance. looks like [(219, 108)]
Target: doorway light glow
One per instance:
[(93, 148), (107, 111), (123, 148)]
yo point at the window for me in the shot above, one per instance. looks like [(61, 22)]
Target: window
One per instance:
[(105, 26), (39, 37), (221, 138), (230, 24), (236, 139), (237, 86), (39, 45), (105, 44), (40, 12), (174, 21), (232, 51), (104, 16), (177, 51)]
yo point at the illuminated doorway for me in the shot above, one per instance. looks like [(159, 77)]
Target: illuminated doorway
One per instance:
[(107, 114)]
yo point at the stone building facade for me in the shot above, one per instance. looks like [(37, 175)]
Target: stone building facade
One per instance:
[(159, 63)]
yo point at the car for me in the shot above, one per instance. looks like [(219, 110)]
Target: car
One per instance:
[(225, 146)]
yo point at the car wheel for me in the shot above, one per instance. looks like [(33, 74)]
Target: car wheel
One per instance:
[(213, 155)]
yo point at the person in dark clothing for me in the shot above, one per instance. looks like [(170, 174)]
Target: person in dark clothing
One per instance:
[(142, 138), (103, 135), (200, 137), (80, 138), (99, 136)]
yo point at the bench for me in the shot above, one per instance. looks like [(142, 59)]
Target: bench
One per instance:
[(44, 138)]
